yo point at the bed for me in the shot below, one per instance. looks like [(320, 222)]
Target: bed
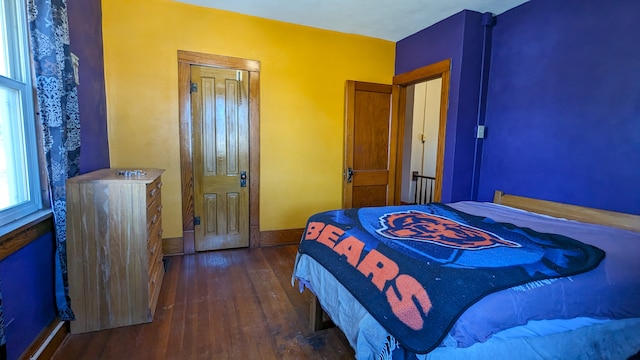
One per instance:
[(563, 281)]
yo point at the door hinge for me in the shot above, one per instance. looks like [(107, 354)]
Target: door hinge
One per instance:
[(194, 87)]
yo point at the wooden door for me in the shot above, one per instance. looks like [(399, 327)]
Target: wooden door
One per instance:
[(370, 146), (220, 157)]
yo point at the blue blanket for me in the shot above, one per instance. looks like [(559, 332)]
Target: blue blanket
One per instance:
[(417, 268)]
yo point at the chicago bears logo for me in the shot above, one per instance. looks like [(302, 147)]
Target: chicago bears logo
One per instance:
[(419, 226)]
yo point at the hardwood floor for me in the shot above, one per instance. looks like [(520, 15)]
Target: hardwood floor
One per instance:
[(232, 304)]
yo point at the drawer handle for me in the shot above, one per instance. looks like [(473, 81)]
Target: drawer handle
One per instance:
[(153, 192), (160, 233), (154, 219), (159, 209)]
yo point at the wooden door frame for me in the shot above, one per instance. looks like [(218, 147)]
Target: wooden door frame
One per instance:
[(185, 60), (442, 70)]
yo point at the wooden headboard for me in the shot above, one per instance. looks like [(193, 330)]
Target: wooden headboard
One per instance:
[(572, 212)]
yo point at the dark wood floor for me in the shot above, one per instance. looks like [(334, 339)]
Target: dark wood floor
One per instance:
[(232, 304)]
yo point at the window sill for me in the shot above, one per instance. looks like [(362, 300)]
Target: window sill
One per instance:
[(21, 232)]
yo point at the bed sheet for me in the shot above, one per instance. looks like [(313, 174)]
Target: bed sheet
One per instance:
[(536, 340), (611, 291)]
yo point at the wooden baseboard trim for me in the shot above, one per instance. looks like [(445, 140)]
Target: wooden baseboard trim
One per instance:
[(280, 237), (172, 246), (46, 344), (178, 246)]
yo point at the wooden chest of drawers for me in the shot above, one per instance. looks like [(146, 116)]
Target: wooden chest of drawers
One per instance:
[(114, 247)]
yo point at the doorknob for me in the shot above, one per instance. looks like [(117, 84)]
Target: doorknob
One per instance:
[(349, 175), (243, 179)]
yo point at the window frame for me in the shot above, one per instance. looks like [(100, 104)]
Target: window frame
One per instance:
[(22, 78)]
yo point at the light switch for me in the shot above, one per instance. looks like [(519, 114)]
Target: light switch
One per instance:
[(480, 132)]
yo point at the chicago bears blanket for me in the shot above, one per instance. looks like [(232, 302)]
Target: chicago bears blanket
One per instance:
[(417, 268)]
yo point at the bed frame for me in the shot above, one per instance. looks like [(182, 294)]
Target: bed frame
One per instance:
[(318, 321), (571, 212)]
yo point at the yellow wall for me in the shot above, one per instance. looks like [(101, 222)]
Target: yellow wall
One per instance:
[(302, 77)]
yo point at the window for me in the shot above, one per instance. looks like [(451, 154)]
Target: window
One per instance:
[(19, 174)]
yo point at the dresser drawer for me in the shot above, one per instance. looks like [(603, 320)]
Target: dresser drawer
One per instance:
[(156, 274), (154, 244), (155, 236), (153, 190), (154, 213), (155, 258)]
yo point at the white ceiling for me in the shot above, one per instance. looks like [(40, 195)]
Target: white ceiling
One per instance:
[(391, 20)]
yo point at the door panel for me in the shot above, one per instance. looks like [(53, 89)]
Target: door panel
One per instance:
[(367, 195), (221, 155), (369, 143)]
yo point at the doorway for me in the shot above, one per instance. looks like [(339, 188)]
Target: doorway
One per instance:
[(402, 86), (381, 145), (186, 62), (421, 141)]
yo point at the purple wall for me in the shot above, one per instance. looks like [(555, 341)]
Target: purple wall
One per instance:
[(458, 38), (85, 28), (28, 293), (563, 108)]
